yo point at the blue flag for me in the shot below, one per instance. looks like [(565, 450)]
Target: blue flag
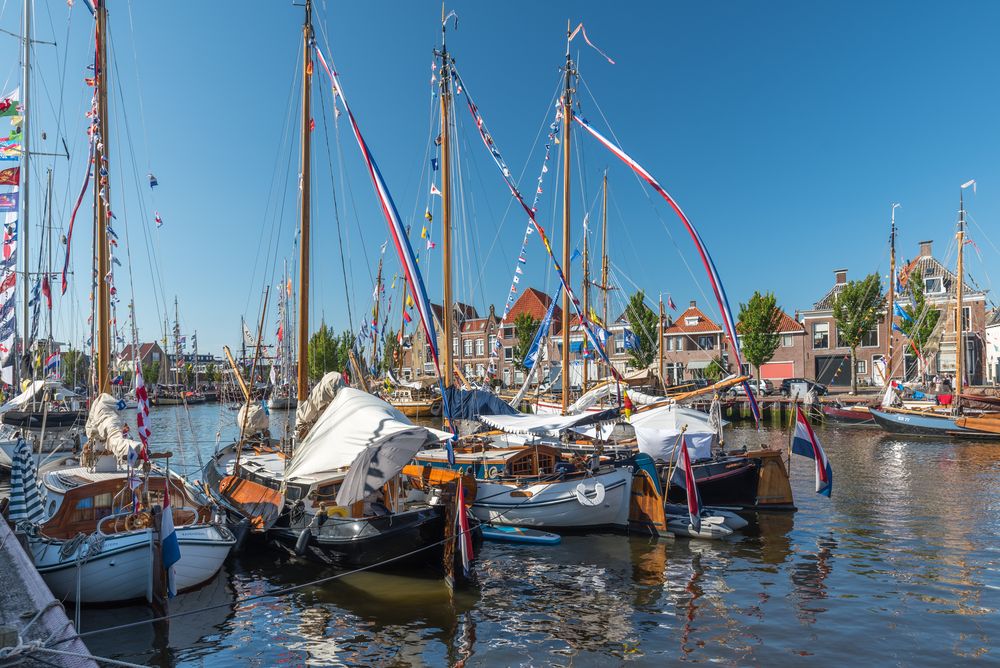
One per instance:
[(536, 343), (901, 313), (631, 339)]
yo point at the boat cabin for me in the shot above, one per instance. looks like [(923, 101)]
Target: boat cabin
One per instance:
[(530, 461)]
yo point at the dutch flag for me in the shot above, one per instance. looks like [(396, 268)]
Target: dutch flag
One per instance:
[(170, 548), (685, 478), (52, 364), (805, 443)]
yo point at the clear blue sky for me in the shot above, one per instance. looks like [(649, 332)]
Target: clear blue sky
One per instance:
[(784, 129)]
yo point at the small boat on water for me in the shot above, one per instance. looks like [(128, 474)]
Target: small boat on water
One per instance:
[(848, 415), (523, 535)]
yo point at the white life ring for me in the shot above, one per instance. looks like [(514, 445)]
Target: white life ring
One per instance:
[(584, 500), (492, 472)]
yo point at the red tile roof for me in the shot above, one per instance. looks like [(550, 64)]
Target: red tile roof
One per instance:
[(535, 303), (704, 326), (787, 325)]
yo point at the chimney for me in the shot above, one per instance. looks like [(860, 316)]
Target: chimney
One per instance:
[(841, 276), (693, 303), (925, 248)]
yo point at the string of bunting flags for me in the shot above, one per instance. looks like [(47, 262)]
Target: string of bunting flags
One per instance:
[(9, 108)]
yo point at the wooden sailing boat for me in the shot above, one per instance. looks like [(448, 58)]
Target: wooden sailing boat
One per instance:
[(283, 396)]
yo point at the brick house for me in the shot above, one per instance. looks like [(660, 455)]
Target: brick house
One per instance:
[(789, 360), (417, 360), (146, 354), (472, 344), (828, 361), (690, 344), (534, 303)]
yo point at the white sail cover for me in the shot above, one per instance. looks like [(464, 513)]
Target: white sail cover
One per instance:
[(105, 426), (537, 425), (365, 433), (57, 391), (673, 417), (308, 411), (252, 418), (661, 444)]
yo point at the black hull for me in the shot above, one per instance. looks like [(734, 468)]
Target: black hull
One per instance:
[(731, 481), (35, 419), (414, 538)]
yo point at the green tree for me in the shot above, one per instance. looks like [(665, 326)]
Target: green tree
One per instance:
[(923, 317), (150, 373), (715, 371), (391, 350), (75, 368), (643, 323), (525, 327), (211, 373), (758, 329), (328, 352), (856, 310)]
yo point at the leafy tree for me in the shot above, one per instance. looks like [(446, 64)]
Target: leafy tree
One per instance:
[(150, 373), (643, 322), (75, 368), (758, 329), (923, 317), (391, 350), (328, 352), (856, 310), (525, 327), (211, 373), (715, 371)]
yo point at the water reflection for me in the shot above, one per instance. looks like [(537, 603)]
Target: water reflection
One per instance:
[(904, 552)]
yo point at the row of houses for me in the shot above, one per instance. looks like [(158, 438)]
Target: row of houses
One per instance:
[(809, 346)]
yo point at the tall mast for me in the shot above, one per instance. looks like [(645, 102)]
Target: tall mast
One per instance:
[(586, 297), (890, 315), (659, 341), (375, 312), (302, 375), (25, 173), (177, 343), (447, 300), (567, 119), (604, 251), (48, 260), (960, 343), (102, 351)]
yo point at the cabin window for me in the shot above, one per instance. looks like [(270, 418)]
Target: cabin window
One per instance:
[(407, 373), (934, 285), (522, 466), (480, 347), (787, 341), (93, 508), (821, 335)]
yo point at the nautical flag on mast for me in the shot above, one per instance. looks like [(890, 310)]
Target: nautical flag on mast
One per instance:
[(805, 443), (142, 412), (464, 533), (170, 547), (52, 364)]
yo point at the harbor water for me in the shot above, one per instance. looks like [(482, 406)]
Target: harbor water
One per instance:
[(899, 566)]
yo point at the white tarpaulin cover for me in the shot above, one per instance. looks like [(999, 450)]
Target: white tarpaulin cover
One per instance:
[(365, 433), (104, 427), (661, 444), (308, 411), (56, 391), (673, 417), (539, 425), (252, 418)]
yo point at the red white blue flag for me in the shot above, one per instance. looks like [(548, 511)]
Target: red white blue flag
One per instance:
[(170, 547), (686, 472), (805, 443), (464, 534)]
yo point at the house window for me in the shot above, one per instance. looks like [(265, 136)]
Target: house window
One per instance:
[(870, 339), (493, 342), (821, 335), (934, 285), (454, 346), (468, 370), (156, 357), (862, 366), (506, 376), (468, 347), (787, 341), (508, 353), (480, 371), (691, 320), (427, 355), (507, 332), (966, 318), (480, 347), (407, 373), (706, 342), (620, 344), (429, 369)]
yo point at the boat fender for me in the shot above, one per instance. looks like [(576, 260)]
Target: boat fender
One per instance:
[(492, 472), (336, 511), (584, 500), (303, 541), (242, 530)]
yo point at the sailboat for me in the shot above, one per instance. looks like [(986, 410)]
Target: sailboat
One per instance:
[(282, 391), (101, 524), (344, 500), (957, 424)]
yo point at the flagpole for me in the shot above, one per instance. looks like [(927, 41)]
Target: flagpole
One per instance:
[(102, 74), (891, 314), (659, 331), (567, 119), (586, 298), (25, 174), (604, 252), (959, 342)]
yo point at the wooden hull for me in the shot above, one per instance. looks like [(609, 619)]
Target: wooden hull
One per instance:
[(853, 416), (430, 408), (757, 480)]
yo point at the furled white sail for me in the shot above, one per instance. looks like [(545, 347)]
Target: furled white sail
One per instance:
[(322, 394), (105, 428)]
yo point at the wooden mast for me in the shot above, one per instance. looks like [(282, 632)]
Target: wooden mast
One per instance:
[(25, 178), (375, 311), (659, 340), (102, 349), (959, 342), (447, 302), (567, 119), (890, 315), (604, 255), (586, 298), (302, 370)]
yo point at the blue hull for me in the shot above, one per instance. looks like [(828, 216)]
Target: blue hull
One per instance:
[(942, 426), (507, 534)]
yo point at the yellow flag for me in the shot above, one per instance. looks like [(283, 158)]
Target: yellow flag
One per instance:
[(423, 232)]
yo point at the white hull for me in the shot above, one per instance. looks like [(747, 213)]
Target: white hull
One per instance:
[(281, 403), (122, 569), (712, 527), (557, 504)]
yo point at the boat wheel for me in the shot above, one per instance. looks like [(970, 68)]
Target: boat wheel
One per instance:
[(137, 521)]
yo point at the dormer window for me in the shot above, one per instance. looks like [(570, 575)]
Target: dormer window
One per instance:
[(691, 320), (933, 285)]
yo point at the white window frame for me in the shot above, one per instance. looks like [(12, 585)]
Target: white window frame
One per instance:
[(508, 353), (877, 329), (480, 347), (825, 325), (934, 280), (787, 341), (862, 366), (467, 347), (691, 320)]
